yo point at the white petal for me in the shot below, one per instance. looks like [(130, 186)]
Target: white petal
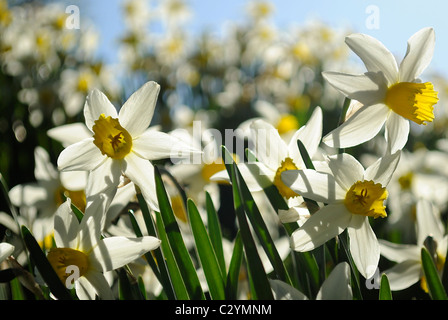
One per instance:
[(397, 132), (44, 169), (137, 112), (322, 226), (346, 169), (418, 55), (268, 146), (283, 291), (115, 252), (376, 57), (104, 179), (96, 104), (364, 246), (311, 184), (337, 285), (28, 194), (70, 133), (141, 172), (398, 252), (256, 175), (382, 170), (98, 281), (361, 127), (66, 226), (82, 156), (427, 222), (6, 249), (404, 274), (367, 88), (84, 290), (73, 180), (154, 145), (310, 135)]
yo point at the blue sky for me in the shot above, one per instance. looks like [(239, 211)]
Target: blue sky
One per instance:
[(398, 20)]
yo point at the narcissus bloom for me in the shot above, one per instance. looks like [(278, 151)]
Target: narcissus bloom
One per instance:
[(121, 144), (353, 195), (275, 156), (391, 94), (81, 246), (408, 268)]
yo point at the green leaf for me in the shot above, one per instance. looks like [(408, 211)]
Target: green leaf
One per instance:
[(214, 231), (435, 287), (128, 288), (311, 204), (261, 287), (148, 256), (385, 293), (160, 266), (209, 262), (16, 290), (176, 280), (43, 265), (234, 269), (141, 286), (260, 228), (308, 281), (176, 241)]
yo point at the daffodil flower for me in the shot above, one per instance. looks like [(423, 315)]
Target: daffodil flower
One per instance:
[(275, 156), (408, 269), (80, 247), (352, 194), (390, 94), (121, 144)]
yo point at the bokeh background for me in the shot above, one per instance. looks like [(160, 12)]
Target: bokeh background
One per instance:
[(218, 62)]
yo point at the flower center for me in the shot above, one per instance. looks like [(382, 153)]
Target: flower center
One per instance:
[(413, 101), (85, 81), (405, 180), (209, 169), (366, 198), (287, 123), (284, 190), (61, 258), (111, 138)]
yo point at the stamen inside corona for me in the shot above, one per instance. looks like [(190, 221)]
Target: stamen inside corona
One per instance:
[(287, 123), (61, 258), (413, 101), (111, 138), (366, 198)]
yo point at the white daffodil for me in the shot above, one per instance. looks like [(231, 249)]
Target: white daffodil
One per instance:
[(353, 195), (421, 174), (390, 94), (275, 156), (46, 194), (121, 144), (81, 247), (408, 269), (38, 201)]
